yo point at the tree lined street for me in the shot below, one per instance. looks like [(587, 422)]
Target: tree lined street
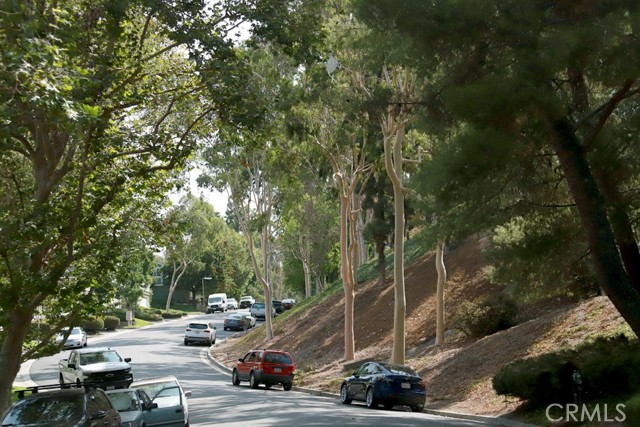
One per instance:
[(158, 350)]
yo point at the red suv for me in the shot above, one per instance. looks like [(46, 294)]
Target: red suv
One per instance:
[(266, 367)]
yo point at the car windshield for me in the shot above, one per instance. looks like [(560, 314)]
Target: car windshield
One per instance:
[(400, 369), (165, 393), (198, 326), (236, 317), (278, 358), (58, 411), (124, 401), (215, 299), (258, 305), (99, 357)]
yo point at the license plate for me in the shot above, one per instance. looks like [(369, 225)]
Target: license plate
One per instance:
[(406, 385), (277, 369)]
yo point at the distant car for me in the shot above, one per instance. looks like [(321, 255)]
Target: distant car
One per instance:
[(288, 303), (258, 310), (277, 306), (167, 393), (246, 301), (73, 407), (232, 304), (238, 322), (385, 383), (77, 337), (200, 332), (266, 367)]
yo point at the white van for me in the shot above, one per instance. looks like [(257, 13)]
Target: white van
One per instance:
[(217, 302)]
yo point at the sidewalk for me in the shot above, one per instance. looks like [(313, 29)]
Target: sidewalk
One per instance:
[(495, 421)]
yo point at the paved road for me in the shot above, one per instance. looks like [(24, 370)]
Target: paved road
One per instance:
[(159, 350)]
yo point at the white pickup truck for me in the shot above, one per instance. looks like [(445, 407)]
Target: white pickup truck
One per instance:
[(102, 367)]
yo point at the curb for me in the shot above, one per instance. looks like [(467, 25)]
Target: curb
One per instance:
[(496, 421)]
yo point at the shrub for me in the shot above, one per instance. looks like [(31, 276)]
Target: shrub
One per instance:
[(120, 313), (486, 315), (608, 367), (111, 323), (173, 314), (148, 314), (93, 324), (632, 411)]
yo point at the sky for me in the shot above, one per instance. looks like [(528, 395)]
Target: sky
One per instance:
[(216, 198)]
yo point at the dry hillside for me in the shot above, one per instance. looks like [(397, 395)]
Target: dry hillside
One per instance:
[(459, 372)]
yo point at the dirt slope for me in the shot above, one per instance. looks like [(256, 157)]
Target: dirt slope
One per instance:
[(459, 372)]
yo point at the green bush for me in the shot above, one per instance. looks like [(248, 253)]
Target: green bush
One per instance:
[(111, 323), (93, 324), (148, 314), (173, 314), (120, 313), (632, 411), (486, 315), (608, 367)]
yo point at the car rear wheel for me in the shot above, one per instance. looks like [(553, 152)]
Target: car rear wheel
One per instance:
[(344, 394), (235, 380), (371, 401), (287, 386), (253, 383)]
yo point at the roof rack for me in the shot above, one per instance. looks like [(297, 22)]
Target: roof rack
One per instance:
[(37, 388)]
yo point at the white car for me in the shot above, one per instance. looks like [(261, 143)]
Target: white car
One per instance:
[(167, 393), (258, 310), (200, 332), (77, 337), (232, 304)]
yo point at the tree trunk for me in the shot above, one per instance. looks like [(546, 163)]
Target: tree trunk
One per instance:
[(11, 352), (442, 280), (347, 280), (591, 206), (175, 278), (382, 261), (393, 165), (266, 282)]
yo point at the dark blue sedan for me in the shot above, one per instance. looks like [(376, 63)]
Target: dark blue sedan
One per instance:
[(385, 383)]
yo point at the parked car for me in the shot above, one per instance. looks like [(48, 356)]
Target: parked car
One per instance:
[(246, 301), (266, 367), (133, 406), (101, 366), (167, 393), (200, 332), (277, 306), (51, 406), (77, 337), (232, 304), (385, 383), (238, 322), (258, 310), (288, 303)]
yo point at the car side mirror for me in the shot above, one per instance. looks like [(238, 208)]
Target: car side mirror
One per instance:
[(214, 328), (71, 365), (241, 360), (127, 359), (187, 393), (150, 406)]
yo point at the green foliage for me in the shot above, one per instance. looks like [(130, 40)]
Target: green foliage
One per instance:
[(486, 315), (151, 315), (632, 411), (173, 314), (607, 367), (111, 323), (93, 325)]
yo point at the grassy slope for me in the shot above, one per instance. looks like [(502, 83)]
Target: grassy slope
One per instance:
[(459, 372)]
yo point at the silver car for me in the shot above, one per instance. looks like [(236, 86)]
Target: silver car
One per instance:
[(258, 310), (77, 337), (161, 402)]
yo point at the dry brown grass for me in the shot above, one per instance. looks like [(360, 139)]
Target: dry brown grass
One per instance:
[(459, 372)]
